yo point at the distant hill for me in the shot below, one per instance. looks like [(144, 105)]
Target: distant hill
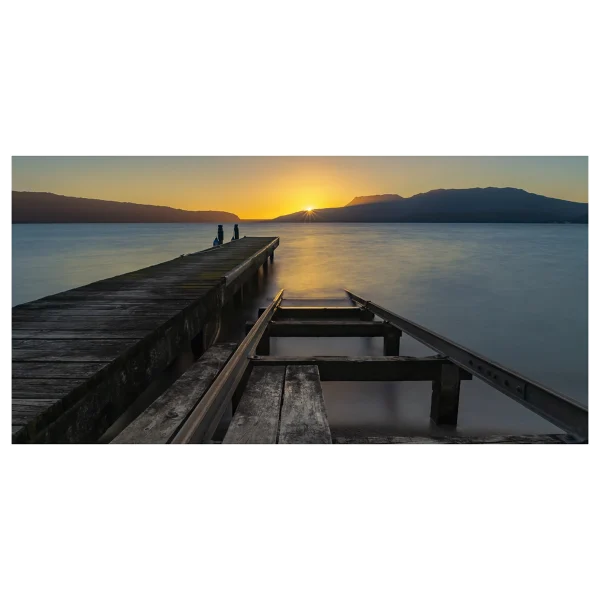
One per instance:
[(43, 207), (374, 199), (474, 205)]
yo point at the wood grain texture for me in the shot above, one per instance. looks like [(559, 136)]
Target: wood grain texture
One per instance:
[(69, 350), (56, 370), (256, 419), (44, 388), (159, 422), (88, 333), (303, 415)]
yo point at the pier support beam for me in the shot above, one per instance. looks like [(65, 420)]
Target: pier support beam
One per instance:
[(391, 341), (445, 395)]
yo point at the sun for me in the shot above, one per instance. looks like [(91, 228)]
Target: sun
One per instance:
[(309, 209)]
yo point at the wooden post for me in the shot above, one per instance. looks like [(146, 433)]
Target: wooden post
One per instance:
[(391, 341), (445, 395), (272, 256)]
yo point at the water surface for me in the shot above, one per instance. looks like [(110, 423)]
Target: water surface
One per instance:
[(515, 293)]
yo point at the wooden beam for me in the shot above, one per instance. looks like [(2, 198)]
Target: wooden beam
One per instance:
[(391, 340), (323, 312), (323, 328), (445, 394), (256, 419), (303, 416), (366, 368), (159, 422)]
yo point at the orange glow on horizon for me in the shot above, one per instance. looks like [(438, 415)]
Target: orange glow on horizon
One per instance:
[(265, 187)]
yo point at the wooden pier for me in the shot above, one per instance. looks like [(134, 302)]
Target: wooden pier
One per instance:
[(81, 357)]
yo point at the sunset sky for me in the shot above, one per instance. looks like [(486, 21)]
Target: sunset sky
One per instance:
[(266, 187)]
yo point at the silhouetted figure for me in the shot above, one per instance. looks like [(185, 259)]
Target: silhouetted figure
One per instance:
[(220, 234), (236, 232), (216, 242)]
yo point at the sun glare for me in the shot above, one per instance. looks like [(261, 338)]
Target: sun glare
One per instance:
[(309, 209)]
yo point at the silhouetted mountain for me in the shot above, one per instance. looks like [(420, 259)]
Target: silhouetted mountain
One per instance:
[(475, 205), (374, 199), (43, 207)]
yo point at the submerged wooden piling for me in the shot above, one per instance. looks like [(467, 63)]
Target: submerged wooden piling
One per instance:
[(445, 395)]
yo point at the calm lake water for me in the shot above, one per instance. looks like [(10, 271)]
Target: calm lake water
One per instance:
[(515, 293)]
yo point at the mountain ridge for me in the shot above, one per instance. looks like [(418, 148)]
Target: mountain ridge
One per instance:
[(469, 205), (47, 207)]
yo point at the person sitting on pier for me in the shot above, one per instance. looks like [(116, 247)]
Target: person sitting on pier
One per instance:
[(216, 242)]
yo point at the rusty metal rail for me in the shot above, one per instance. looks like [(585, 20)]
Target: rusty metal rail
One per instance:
[(204, 419), (558, 409)]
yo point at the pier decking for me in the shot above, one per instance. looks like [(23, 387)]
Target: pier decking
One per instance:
[(81, 357)]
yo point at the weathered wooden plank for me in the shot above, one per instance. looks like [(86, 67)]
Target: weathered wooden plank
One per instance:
[(322, 312), (325, 328), (366, 368), (75, 334), (303, 415), (56, 370), (132, 295), (159, 422), (95, 314), (34, 401), (17, 429), (84, 304), (256, 419), (44, 388), (28, 409), (90, 409), (445, 395), (492, 439), (69, 350), (91, 324), (30, 415)]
